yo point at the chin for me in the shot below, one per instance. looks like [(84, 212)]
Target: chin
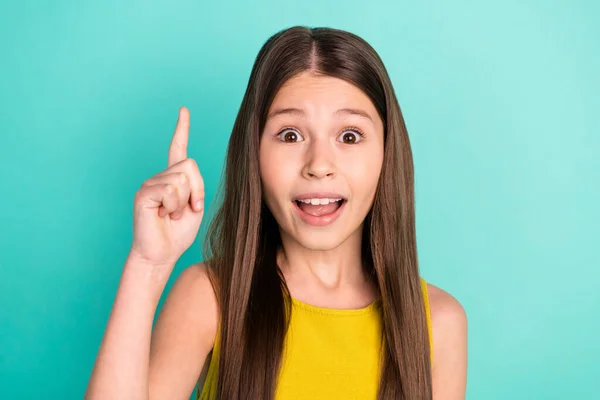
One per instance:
[(322, 241)]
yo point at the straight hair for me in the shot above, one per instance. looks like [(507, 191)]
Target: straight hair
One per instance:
[(243, 237)]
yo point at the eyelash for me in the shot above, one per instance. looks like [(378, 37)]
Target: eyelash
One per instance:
[(347, 129)]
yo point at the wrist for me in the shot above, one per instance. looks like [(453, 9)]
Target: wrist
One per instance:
[(148, 270), (135, 258)]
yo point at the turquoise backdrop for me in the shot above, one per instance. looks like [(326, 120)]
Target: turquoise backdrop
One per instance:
[(501, 103)]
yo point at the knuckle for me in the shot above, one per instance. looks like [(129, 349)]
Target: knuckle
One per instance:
[(183, 178), (138, 199), (194, 172), (191, 163)]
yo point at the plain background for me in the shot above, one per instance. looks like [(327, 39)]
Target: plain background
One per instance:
[(501, 104)]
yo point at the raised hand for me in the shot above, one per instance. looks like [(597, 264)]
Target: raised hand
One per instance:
[(170, 205)]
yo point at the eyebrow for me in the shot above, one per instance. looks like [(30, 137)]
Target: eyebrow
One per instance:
[(338, 113)]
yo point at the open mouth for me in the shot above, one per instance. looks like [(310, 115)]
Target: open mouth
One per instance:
[(317, 212), (320, 207)]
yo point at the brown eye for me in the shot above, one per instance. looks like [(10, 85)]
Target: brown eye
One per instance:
[(351, 136), (289, 136)]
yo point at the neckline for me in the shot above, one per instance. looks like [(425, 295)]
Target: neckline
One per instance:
[(374, 306)]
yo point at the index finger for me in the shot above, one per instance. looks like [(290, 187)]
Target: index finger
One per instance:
[(179, 143)]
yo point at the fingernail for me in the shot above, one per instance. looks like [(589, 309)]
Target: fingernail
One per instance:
[(199, 205)]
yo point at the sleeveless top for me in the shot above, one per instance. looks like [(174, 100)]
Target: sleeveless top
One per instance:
[(328, 353)]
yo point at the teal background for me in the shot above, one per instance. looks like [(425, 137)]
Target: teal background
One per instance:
[(501, 104)]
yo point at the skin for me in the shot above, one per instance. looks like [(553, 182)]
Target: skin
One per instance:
[(321, 265)]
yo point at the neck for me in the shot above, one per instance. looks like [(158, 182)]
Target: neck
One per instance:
[(334, 277)]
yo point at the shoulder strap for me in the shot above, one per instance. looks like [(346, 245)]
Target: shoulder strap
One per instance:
[(428, 314)]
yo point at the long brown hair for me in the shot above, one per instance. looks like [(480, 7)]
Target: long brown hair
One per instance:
[(243, 238)]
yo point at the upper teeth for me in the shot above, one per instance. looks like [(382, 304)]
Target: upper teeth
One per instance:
[(316, 202)]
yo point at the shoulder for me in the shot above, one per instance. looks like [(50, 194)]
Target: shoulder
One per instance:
[(192, 304), (449, 330), (448, 318), (192, 297), (446, 310), (183, 335)]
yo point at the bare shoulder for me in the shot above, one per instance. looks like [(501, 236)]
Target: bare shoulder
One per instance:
[(193, 298), (183, 335), (445, 308), (449, 330)]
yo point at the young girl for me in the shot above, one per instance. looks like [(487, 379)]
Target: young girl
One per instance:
[(310, 288)]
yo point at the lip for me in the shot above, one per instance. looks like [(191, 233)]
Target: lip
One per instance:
[(323, 220), (320, 195)]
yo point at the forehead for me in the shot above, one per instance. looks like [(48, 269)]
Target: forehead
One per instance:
[(311, 93)]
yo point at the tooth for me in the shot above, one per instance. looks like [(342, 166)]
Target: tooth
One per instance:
[(318, 201)]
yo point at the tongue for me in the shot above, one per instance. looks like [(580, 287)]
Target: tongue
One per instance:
[(320, 209)]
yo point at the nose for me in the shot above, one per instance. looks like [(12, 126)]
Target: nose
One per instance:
[(320, 160)]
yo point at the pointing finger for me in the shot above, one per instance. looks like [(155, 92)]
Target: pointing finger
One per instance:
[(179, 143)]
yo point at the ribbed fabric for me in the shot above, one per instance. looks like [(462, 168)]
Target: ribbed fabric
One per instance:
[(328, 353)]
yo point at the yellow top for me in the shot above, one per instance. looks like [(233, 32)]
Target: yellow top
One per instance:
[(328, 353)]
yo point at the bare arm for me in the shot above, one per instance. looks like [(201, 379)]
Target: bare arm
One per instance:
[(136, 363), (121, 368), (133, 363), (449, 325)]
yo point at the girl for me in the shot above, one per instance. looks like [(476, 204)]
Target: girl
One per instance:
[(311, 287)]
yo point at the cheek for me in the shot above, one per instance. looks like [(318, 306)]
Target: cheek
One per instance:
[(277, 172), (363, 176)]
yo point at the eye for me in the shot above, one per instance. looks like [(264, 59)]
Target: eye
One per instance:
[(290, 135), (352, 135)]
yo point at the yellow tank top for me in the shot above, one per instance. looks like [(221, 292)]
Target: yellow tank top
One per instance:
[(328, 353)]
